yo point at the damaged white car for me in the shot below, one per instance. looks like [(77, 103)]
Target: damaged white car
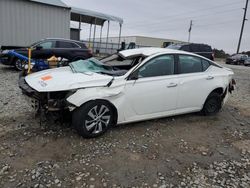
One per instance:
[(133, 85)]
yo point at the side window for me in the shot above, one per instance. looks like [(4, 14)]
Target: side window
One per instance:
[(159, 66), (185, 48), (195, 48), (47, 45), (205, 64), (206, 48), (189, 64), (83, 46), (63, 44)]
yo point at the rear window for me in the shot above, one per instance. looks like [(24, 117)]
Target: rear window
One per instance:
[(195, 48), (200, 48), (206, 48), (185, 48), (82, 45), (64, 44)]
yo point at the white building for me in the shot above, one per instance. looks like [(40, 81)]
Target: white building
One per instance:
[(23, 22), (140, 40)]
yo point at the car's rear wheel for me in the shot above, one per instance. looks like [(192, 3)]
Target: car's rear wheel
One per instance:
[(213, 104), (93, 118)]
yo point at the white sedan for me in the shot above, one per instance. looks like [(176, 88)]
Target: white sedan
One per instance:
[(133, 85)]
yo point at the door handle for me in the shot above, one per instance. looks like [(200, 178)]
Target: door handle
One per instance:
[(210, 78), (172, 85)]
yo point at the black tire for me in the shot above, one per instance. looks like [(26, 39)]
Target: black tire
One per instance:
[(89, 122), (18, 64), (22, 73), (212, 105)]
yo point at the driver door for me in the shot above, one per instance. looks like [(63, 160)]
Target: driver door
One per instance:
[(44, 50), (155, 89)]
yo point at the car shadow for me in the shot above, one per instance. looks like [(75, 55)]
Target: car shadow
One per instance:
[(8, 68), (191, 117)]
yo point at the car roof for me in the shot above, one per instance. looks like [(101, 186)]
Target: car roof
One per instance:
[(185, 43), (63, 39), (149, 51)]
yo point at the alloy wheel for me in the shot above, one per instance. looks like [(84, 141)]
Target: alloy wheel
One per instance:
[(98, 119), (19, 64)]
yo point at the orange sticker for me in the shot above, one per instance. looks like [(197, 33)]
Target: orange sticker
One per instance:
[(45, 78)]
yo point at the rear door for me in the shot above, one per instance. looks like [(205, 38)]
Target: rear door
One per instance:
[(195, 82), (66, 49)]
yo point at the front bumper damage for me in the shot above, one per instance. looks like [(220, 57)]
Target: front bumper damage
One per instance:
[(48, 101)]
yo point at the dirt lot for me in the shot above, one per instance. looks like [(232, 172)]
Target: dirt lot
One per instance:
[(183, 151)]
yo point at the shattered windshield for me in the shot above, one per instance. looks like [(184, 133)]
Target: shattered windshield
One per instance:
[(89, 65)]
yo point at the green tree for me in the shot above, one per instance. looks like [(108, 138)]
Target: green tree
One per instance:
[(220, 53)]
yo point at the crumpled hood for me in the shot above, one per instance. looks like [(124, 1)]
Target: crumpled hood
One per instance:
[(61, 79)]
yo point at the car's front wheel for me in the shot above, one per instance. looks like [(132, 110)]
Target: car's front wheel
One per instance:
[(93, 118), (213, 104), (19, 64)]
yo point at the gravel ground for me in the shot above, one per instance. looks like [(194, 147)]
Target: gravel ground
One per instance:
[(182, 151)]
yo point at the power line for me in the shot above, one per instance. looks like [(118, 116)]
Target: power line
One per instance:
[(217, 23), (181, 27), (188, 12), (184, 19)]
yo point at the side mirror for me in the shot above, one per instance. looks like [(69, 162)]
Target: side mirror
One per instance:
[(39, 47), (133, 76)]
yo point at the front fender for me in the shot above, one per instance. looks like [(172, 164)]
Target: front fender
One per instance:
[(82, 96)]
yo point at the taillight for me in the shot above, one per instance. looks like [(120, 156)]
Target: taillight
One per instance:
[(90, 51)]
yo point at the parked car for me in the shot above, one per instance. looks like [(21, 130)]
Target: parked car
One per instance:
[(44, 49), (236, 59), (130, 86), (200, 49), (247, 62)]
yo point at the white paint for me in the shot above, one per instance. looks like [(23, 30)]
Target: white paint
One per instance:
[(145, 98)]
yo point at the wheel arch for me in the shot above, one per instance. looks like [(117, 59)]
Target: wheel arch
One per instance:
[(111, 105), (218, 90)]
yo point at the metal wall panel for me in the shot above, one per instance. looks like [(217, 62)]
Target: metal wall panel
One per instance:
[(23, 22)]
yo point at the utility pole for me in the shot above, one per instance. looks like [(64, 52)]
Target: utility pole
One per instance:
[(189, 30), (242, 27)]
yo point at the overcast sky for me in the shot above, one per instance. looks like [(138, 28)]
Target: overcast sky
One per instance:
[(215, 22)]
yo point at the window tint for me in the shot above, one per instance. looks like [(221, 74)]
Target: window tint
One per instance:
[(185, 48), (47, 45), (63, 44), (83, 46), (205, 64), (189, 64), (195, 47), (159, 66), (206, 48)]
